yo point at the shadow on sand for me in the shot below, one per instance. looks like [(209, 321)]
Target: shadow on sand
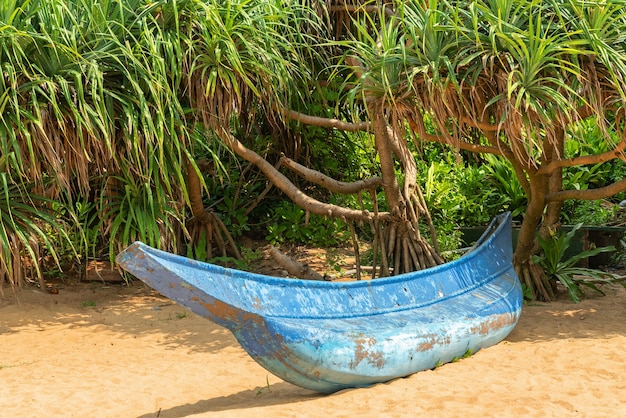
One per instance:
[(276, 394)]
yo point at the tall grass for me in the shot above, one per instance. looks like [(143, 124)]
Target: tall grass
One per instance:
[(103, 99), (89, 94)]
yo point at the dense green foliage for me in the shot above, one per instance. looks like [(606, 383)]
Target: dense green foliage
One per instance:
[(95, 109), (102, 103)]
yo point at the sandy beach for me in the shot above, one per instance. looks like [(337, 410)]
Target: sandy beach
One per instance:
[(113, 350)]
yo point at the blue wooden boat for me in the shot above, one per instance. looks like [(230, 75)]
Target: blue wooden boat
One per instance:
[(327, 336)]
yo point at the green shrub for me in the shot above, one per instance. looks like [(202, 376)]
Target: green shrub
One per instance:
[(289, 223), (565, 270)]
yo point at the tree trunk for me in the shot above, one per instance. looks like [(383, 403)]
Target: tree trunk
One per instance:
[(385, 153), (205, 227), (529, 274), (402, 245), (552, 218), (542, 218)]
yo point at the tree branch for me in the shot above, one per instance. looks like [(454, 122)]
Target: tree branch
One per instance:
[(293, 267), (617, 152), (497, 147), (589, 194), (328, 183), (483, 126), (286, 186), (468, 146), (385, 154), (326, 122)]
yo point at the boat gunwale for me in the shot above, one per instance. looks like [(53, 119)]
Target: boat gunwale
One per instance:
[(400, 308), (481, 246)]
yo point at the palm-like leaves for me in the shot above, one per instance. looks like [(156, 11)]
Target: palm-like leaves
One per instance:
[(509, 77), (88, 90), (27, 227), (527, 66), (115, 88), (241, 57), (564, 269), (91, 92)]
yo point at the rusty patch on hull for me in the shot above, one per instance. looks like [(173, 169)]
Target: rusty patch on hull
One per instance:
[(431, 341), (495, 323), (364, 352), (227, 312)]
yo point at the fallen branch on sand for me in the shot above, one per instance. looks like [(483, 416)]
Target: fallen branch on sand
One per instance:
[(293, 267)]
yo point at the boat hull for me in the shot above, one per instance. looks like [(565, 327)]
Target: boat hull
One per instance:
[(327, 336)]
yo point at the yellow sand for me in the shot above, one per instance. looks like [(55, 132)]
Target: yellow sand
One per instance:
[(96, 350)]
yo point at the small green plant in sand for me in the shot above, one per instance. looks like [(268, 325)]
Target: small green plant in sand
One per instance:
[(89, 303), (264, 388), (467, 354), (177, 315), (250, 256), (334, 260)]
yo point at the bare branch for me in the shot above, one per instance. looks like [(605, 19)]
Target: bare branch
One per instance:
[(327, 122), (286, 186), (293, 267), (497, 148), (615, 153), (328, 183), (483, 126), (262, 195), (468, 146), (589, 194)]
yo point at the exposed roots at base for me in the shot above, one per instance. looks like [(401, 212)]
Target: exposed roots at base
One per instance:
[(208, 233), (402, 249), (536, 281)]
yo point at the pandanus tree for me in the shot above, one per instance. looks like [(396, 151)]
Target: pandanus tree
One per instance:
[(515, 79), (506, 77), (269, 73), (91, 132)]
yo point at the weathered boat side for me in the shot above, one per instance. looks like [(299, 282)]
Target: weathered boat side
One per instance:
[(326, 336)]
